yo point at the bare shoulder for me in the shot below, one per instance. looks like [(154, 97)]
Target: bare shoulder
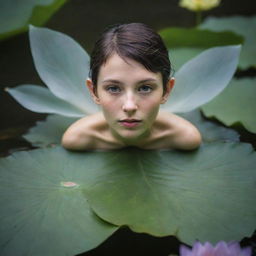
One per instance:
[(181, 133), (80, 135)]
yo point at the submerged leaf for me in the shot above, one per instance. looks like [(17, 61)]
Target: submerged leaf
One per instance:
[(236, 104), (244, 26), (43, 209), (202, 78), (207, 194), (48, 132), (63, 65), (210, 131), (41, 100)]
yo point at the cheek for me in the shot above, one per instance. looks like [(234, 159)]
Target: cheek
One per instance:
[(150, 109), (151, 105), (109, 110), (107, 104)]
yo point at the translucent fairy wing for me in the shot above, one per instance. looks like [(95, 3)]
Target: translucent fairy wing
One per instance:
[(63, 65), (199, 80)]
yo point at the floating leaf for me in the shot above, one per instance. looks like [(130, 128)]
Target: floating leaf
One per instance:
[(180, 56), (244, 26), (41, 100), (186, 43), (193, 195), (210, 131), (43, 209), (200, 75), (48, 132), (236, 104), (199, 38), (16, 15)]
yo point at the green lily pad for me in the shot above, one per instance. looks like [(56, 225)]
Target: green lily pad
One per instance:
[(236, 104), (186, 43), (193, 195), (15, 15), (180, 56), (43, 208), (199, 38), (210, 131), (244, 26), (48, 132)]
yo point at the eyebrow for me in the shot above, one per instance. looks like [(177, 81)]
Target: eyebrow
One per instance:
[(119, 82)]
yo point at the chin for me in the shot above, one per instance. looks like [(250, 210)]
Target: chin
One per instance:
[(131, 137)]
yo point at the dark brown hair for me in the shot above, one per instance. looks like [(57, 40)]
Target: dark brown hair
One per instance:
[(135, 41)]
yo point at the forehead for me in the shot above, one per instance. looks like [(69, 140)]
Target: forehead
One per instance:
[(125, 70)]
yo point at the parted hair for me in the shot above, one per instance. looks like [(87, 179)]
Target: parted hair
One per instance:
[(135, 41)]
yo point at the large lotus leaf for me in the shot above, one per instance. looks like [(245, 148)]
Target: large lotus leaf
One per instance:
[(63, 65), (202, 78), (244, 26), (207, 194), (210, 131), (41, 100), (194, 37), (15, 15), (236, 104), (186, 43), (48, 132), (43, 209)]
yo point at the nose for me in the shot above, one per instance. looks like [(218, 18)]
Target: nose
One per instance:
[(130, 105)]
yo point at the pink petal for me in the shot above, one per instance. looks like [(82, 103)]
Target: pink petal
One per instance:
[(185, 251), (247, 251), (221, 248), (197, 248)]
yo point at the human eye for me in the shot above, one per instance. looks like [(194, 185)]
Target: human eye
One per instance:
[(145, 89), (113, 89)]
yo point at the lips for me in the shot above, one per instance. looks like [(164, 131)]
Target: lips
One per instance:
[(130, 122)]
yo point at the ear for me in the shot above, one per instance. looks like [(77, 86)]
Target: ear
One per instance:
[(169, 87), (91, 88)]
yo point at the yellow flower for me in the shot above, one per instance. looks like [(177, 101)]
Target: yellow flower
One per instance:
[(199, 5)]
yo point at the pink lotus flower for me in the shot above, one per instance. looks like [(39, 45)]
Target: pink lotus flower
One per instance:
[(221, 249)]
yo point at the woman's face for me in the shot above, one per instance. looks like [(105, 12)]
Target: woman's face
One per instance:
[(130, 96)]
